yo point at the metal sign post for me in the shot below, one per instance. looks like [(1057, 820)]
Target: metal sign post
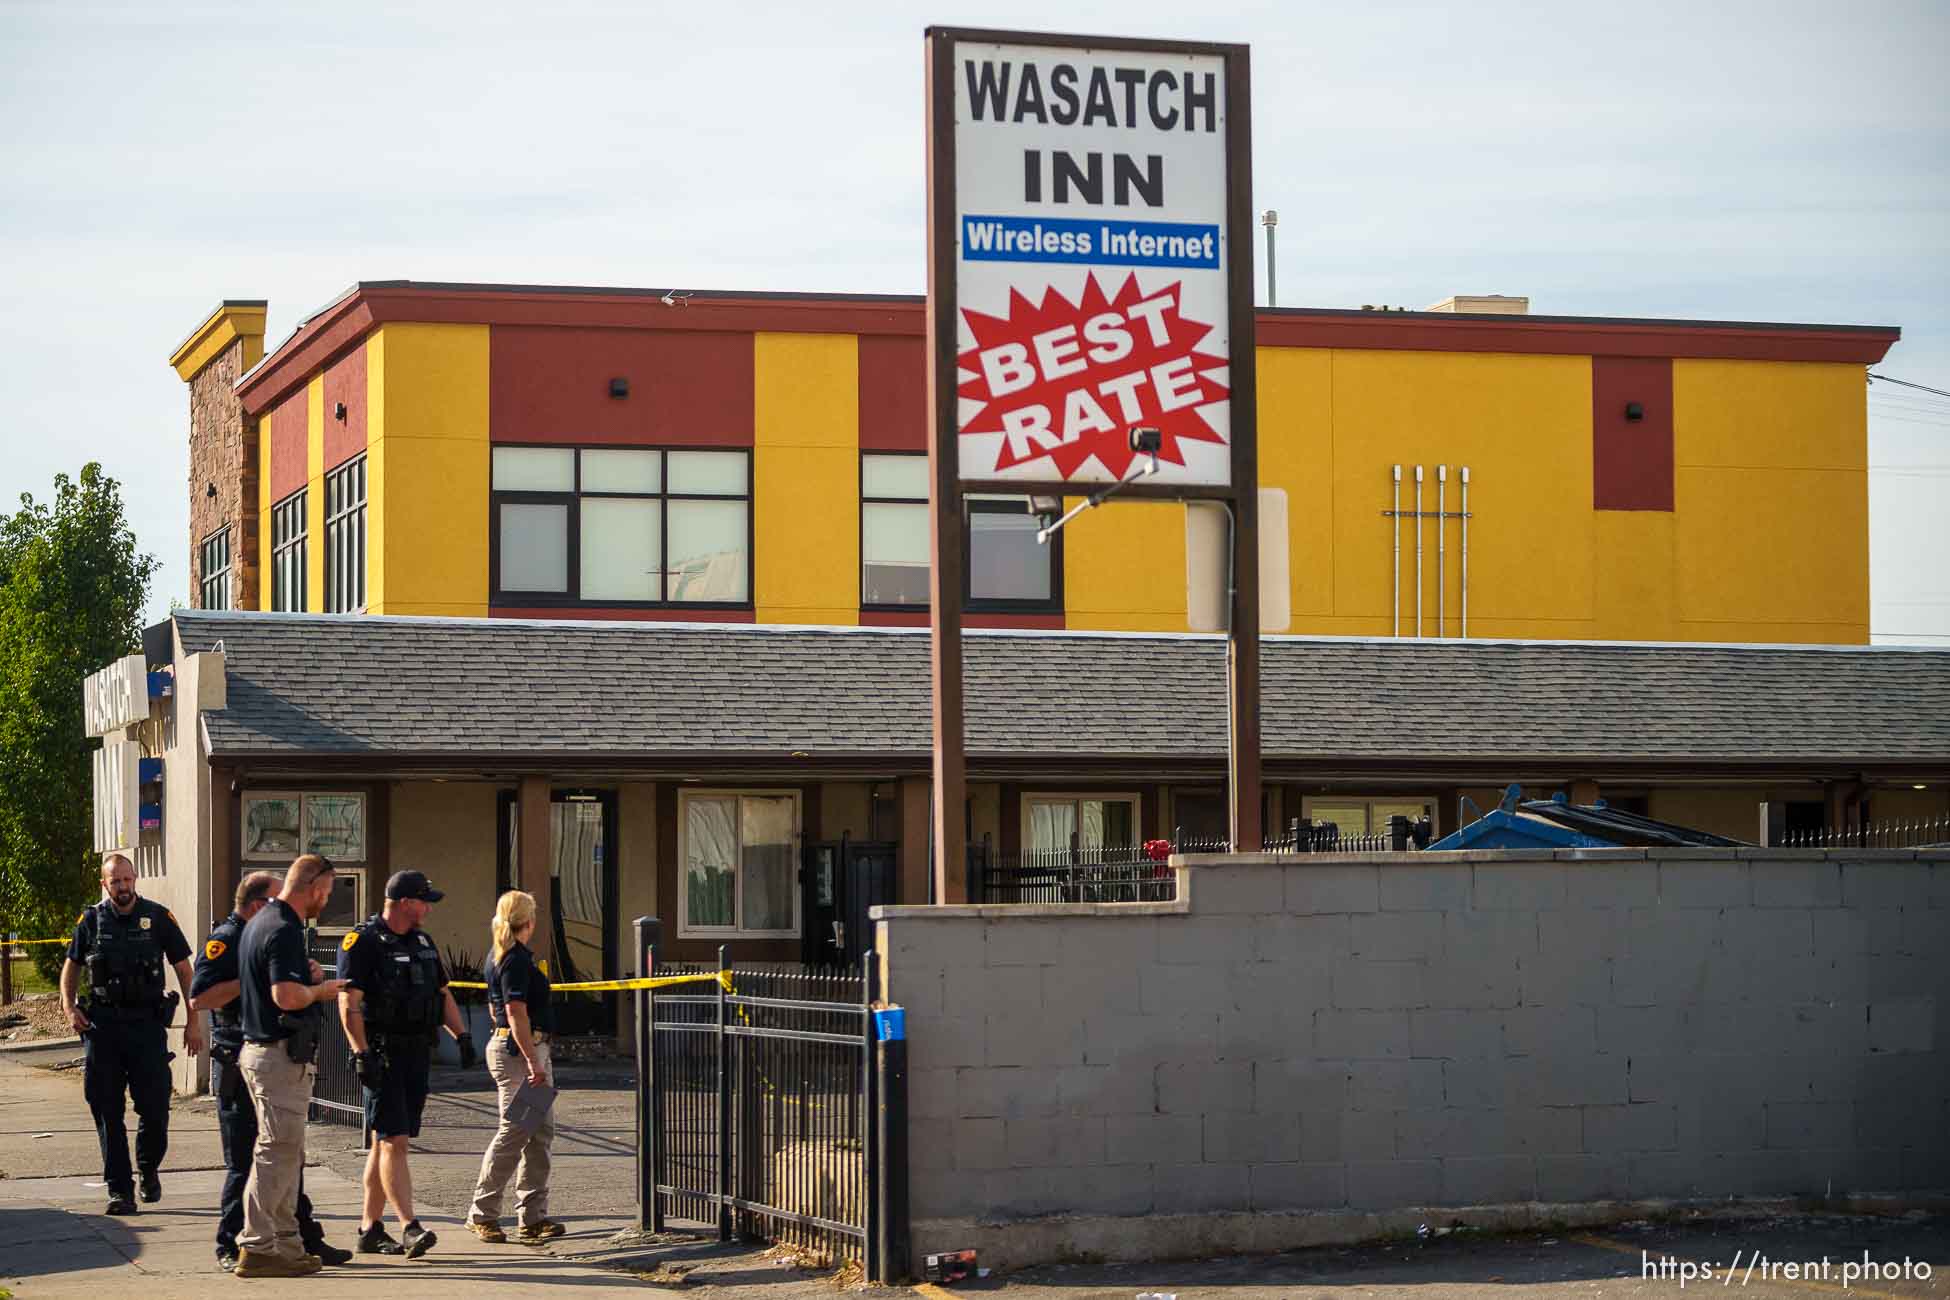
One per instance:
[(1090, 273)]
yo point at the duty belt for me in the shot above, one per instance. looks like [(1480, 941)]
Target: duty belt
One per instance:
[(539, 1035)]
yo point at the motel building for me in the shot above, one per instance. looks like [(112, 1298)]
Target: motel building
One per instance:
[(619, 596)]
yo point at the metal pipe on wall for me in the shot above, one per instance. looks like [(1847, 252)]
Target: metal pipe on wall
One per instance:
[(1465, 550), (1418, 550), (1396, 513), (1441, 551)]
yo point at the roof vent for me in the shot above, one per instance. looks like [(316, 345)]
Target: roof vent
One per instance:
[(1485, 304)]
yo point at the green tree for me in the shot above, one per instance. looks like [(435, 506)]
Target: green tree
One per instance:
[(72, 590)]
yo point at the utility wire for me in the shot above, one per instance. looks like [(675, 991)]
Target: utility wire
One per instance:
[(1885, 379)]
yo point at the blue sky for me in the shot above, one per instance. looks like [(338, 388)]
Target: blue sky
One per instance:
[(1785, 161)]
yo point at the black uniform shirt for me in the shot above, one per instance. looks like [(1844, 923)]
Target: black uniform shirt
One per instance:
[(272, 952), (365, 955), (516, 978), (174, 945), (217, 964)]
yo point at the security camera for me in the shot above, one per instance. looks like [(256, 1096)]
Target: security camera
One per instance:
[(1146, 442)]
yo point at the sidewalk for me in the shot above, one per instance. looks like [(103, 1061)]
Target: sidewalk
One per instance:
[(56, 1242)]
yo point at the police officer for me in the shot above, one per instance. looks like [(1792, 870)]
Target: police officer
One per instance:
[(122, 944), (284, 1000), (394, 1003), (215, 990)]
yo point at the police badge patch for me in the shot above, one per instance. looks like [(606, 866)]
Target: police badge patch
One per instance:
[(351, 937), (214, 949), (146, 921)]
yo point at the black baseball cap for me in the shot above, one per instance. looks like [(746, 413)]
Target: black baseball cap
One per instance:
[(412, 884)]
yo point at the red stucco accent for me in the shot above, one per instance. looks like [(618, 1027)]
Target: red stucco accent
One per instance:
[(550, 384), (1631, 461), (893, 394), (345, 381)]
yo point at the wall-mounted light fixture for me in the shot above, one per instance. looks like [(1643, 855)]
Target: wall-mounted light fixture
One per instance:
[(619, 387), (338, 412), (210, 491), (1634, 411)]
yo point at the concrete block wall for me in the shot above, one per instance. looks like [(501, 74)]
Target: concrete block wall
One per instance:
[(1299, 1048)]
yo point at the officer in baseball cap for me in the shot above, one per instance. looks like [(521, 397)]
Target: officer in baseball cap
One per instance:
[(394, 1002)]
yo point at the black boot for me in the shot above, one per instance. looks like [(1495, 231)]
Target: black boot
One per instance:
[(121, 1203), (151, 1187)]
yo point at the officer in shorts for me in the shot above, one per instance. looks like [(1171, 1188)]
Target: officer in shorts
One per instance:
[(394, 1002), (120, 946), (215, 989)]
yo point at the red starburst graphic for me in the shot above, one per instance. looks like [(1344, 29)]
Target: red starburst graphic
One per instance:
[(1069, 380)]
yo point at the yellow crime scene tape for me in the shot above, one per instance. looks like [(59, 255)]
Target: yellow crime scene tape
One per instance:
[(618, 986)]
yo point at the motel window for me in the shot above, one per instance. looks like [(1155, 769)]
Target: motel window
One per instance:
[(621, 526), (739, 851), (1008, 570), (345, 538), (289, 552), (1356, 815), (1053, 822), (279, 825), (216, 569)]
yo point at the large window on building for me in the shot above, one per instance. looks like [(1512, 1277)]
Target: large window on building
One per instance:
[(1008, 570), (345, 538), (1365, 815), (1052, 822), (621, 526), (215, 591), (739, 854), (289, 552), (894, 531)]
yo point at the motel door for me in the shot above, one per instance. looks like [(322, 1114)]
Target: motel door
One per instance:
[(582, 880), (838, 881)]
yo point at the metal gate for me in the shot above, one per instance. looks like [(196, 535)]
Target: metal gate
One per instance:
[(335, 1094), (755, 1104)]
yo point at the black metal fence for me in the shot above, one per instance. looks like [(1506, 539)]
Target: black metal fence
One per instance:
[(1141, 873), (1917, 833), (755, 1109), (335, 1095)]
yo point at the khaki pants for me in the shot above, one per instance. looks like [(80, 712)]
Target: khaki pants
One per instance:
[(522, 1152), (281, 1091)]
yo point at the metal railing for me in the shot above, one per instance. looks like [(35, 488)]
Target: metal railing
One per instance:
[(1915, 833), (335, 1096), (758, 1100), (1141, 873), (1128, 873)]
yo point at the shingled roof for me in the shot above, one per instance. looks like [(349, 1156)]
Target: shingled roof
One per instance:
[(348, 685)]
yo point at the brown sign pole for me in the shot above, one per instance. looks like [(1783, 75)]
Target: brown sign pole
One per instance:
[(949, 575), (1242, 636), (948, 565)]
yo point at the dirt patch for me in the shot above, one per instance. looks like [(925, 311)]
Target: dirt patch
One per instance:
[(33, 1016)]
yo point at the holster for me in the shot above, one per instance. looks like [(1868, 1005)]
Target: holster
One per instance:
[(305, 1027), (230, 1078)]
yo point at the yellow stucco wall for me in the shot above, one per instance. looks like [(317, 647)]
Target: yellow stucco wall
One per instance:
[(447, 829), (427, 469), (806, 478), (1771, 502), (1768, 540), (314, 496)]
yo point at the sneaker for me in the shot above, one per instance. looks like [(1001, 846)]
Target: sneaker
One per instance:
[(417, 1240), (377, 1241), (251, 1263), (121, 1204), (151, 1187), (542, 1230), (227, 1260), (328, 1253), (488, 1230)]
